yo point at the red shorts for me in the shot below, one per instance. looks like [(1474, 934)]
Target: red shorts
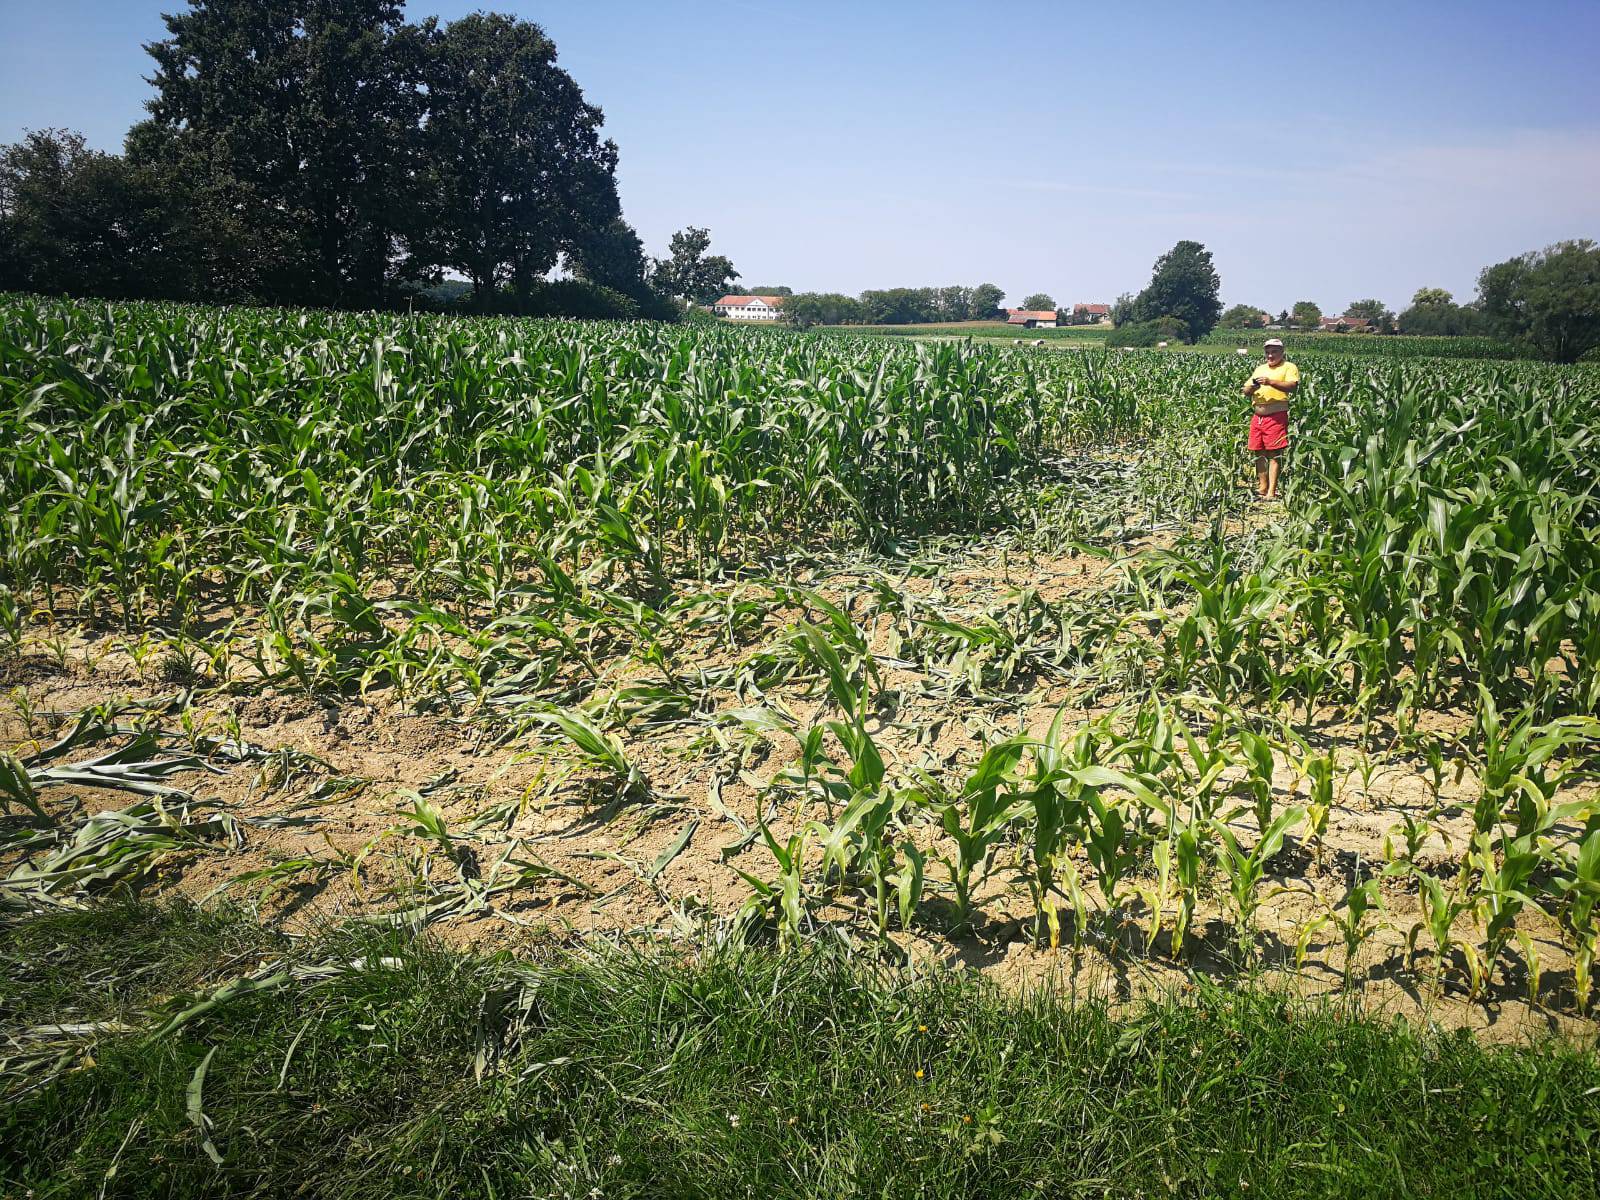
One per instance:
[(1269, 431)]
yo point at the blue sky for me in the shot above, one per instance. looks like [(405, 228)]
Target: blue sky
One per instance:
[(1321, 152)]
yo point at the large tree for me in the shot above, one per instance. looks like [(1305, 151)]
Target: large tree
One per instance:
[(898, 306), (1434, 313), (690, 272), (300, 116), (1243, 316), (1375, 311), (513, 167), (1038, 302), (952, 303), (1306, 314), (79, 222), (613, 257), (821, 308), (1431, 297), (1549, 299), (984, 302), (1185, 286)]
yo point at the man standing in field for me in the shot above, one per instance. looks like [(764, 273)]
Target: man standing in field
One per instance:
[(1270, 388)]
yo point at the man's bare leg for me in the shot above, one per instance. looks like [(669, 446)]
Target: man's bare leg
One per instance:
[(1274, 460), (1262, 470)]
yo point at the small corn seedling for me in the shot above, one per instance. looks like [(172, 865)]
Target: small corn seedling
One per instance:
[(1580, 883), (783, 901), (979, 820), (1259, 761), (598, 749), (1349, 917), (1245, 870), (1441, 909), (1506, 868), (1318, 771)]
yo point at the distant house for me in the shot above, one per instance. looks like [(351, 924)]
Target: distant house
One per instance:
[(1345, 325), (1091, 314), (1031, 318), (749, 308)]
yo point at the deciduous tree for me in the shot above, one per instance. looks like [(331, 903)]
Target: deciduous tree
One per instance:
[(514, 169), (1306, 314), (1375, 311), (1549, 299), (984, 302), (1038, 302), (79, 222), (300, 115), (1184, 285), (689, 272), (821, 308), (1243, 316)]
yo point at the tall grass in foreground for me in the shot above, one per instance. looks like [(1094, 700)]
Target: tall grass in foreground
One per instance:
[(380, 1066)]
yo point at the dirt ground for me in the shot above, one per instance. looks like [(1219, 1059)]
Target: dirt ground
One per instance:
[(556, 849)]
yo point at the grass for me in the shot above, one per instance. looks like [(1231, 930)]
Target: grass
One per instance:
[(390, 1066)]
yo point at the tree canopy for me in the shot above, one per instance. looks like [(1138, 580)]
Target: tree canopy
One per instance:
[(328, 152), (1185, 286), (1305, 314), (690, 272), (1244, 316), (1548, 299), (984, 302), (1376, 311), (513, 166), (821, 308), (1038, 302)]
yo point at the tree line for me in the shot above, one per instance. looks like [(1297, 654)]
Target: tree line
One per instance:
[(1546, 300), (328, 152)]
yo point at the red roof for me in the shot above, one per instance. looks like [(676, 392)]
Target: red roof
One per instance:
[(1101, 309), (770, 301), (1016, 316)]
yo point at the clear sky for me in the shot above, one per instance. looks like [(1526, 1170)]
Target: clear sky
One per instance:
[(1323, 152)]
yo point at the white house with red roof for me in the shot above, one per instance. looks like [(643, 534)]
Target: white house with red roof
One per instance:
[(1091, 314), (1032, 318), (749, 308)]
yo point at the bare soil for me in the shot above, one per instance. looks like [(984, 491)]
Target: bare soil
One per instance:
[(589, 860)]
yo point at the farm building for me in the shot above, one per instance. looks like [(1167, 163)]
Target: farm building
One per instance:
[(1091, 314), (749, 308), (1031, 318), (1345, 325)]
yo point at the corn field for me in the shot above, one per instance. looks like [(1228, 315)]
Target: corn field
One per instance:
[(586, 542)]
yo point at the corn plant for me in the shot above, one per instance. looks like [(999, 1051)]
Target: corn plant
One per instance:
[(1441, 909), (978, 820), (1581, 914), (782, 901), (1245, 869)]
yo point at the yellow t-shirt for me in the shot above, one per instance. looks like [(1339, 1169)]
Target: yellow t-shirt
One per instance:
[(1284, 372)]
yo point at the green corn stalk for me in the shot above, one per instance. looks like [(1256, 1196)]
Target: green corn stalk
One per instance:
[(1580, 882), (1318, 771), (1440, 911), (598, 748), (978, 820), (1259, 761), (1245, 870), (782, 901)]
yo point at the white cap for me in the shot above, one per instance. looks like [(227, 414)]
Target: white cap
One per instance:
[(1271, 342)]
